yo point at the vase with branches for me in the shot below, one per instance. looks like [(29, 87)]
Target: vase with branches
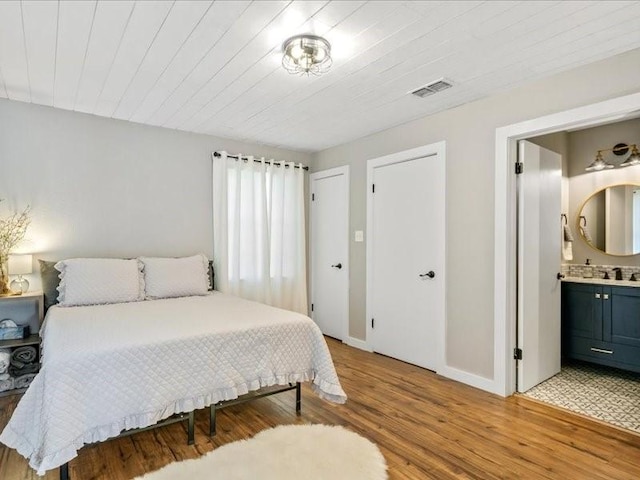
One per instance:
[(12, 232)]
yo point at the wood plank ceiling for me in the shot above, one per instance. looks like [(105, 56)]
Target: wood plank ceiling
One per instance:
[(214, 67)]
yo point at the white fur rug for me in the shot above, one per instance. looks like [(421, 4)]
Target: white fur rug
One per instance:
[(288, 452)]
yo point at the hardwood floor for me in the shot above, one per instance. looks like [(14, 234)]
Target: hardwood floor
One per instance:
[(427, 427)]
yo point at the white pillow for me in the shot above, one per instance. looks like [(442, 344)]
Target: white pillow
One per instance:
[(96, 281), (175, 277)]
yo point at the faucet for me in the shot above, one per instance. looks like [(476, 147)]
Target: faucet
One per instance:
[(606, 274), (618, 271)]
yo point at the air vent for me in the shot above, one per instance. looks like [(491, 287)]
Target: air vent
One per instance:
[(431, 88)]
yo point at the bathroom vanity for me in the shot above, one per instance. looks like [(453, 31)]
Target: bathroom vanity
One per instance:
[(601, 321)]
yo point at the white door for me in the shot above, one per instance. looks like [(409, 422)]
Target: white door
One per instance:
[(329, 247), (406, 255), (539, 251)]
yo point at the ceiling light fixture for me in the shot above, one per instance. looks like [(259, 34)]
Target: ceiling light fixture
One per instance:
[(620, 149), (306, 54)]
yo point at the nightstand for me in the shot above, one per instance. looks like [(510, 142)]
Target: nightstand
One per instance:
[(25, 309)]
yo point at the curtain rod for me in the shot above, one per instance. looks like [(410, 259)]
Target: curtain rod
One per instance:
[(238, 157)]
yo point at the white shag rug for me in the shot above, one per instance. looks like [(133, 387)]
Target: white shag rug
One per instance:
[(311, 452)]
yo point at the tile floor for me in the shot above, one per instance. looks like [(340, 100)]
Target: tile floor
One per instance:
[(608, 394)]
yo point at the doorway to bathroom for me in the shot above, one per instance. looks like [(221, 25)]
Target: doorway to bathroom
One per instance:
[(506, 287), (594, 221)]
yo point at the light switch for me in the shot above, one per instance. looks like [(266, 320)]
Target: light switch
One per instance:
[(359, 236)]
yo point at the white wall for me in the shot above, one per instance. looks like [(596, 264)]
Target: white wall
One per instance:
[(469, 131), (103, 187)]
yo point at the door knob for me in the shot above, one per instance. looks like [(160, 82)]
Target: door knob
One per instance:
[(429, 274), (337, 265), (560, 276)]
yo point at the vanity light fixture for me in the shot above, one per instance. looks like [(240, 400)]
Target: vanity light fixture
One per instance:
[(620, 149), (599, 163), (306, 54), (634, 158)]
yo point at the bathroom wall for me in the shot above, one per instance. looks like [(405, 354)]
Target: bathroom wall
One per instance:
[(578, 150), (583, 146)]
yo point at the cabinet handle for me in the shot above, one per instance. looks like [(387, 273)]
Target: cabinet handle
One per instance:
[(606, 296), (597, 295), (600, 350)]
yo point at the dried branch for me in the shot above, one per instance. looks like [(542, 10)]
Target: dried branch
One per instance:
[(13, 230)]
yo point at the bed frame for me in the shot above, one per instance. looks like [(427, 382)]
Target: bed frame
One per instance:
[(265, 392), (190, 417)]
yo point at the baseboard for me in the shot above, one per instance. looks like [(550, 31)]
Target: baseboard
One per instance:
[(357, 343), (477, 381)]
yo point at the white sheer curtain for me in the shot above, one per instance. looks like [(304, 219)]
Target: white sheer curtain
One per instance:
[(259, 231)]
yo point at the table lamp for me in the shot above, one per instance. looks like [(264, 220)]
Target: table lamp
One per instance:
[(20, 265)]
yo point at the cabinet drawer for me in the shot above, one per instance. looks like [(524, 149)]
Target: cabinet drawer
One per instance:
[(604, 353)]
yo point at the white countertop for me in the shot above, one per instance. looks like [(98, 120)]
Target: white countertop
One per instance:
[(601, 281)]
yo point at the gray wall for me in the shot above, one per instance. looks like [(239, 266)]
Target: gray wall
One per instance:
[(578, 149), (583, 145), (469, 131), (103, 187)]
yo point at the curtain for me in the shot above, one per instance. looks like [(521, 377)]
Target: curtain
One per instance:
[(259, 231)]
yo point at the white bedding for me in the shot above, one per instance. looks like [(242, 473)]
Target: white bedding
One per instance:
[(107, 368)]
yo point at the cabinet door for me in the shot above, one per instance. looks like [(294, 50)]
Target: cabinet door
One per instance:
[(625, 316), (581, 311)]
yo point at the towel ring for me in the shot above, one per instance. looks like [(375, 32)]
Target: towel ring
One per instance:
[(563, 217), (582, 217)]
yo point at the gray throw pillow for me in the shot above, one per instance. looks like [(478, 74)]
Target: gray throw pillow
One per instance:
[(50, 281)]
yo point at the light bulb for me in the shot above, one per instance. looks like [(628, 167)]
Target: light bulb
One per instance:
[(296, 51), (634, 158)]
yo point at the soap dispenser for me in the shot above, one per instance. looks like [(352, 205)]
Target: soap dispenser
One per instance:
[(588, 269)]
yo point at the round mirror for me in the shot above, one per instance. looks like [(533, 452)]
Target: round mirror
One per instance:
[(609, 220)]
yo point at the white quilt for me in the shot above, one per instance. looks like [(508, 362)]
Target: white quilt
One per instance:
[(107, 368)]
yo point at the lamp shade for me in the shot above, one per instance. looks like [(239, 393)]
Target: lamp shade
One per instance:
[(598, 164), (20, 264), (634, 158)]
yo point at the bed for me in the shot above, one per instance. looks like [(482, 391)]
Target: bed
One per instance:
[(110, 368)]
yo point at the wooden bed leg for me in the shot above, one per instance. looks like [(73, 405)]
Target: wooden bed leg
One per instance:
[(298, 398), (64, 471), (191, 427), (212, 420)]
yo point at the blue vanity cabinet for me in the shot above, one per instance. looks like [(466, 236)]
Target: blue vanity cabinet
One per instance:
[(581, 316), (625, 316), (601, 324)]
